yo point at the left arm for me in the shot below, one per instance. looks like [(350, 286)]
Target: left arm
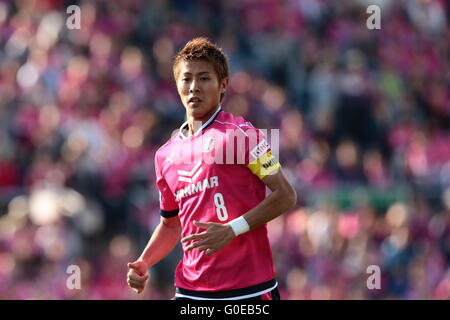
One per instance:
[(282, 198)]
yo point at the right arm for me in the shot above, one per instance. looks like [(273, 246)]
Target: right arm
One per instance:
[(165, 236), (162, 242)]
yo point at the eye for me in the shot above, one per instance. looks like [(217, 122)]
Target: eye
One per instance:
[(185, 79), (204, 78)]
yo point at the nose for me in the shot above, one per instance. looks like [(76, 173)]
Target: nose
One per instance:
[(194, 86)]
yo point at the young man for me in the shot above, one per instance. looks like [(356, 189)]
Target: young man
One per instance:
[(218, 208)]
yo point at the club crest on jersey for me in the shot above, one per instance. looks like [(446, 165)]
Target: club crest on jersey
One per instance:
[(208, 144)]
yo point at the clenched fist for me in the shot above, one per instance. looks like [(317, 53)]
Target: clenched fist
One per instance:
[(137, 275)]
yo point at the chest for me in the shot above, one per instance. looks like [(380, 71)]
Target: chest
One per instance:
[(195, 160)]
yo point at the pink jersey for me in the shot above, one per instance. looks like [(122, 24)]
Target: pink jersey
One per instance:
[(215, 176)]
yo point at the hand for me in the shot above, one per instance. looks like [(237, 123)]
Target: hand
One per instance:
[(137, 275), (215, 237)]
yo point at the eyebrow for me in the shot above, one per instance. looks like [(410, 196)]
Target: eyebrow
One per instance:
[(200, 73)]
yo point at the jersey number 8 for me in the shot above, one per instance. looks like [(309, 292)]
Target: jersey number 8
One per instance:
[(221, 211)]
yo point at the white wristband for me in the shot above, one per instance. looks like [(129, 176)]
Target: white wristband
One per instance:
[(239, 225)]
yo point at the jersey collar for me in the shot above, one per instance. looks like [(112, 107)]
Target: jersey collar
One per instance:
[(207, 123)]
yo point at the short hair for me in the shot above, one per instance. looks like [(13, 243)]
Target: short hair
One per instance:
[(202, 49)]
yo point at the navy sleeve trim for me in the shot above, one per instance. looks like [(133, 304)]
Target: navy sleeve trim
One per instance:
[(169, 214)]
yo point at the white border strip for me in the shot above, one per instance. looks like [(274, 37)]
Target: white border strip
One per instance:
[(234, 124), (232, 298)]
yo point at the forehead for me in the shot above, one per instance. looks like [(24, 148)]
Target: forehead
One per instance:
[(195, 67)]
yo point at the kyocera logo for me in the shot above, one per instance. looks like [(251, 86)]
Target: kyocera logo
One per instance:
[(260, 149)]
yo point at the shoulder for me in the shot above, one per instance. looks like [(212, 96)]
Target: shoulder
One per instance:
[(164, 150), (227, 120)]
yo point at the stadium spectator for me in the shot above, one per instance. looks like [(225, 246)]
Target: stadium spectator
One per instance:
[(364, 133)]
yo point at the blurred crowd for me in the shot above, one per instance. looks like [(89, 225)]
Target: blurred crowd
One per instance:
[(364, 118)]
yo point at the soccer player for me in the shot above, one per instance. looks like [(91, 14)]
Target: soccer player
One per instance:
[(213, 192)]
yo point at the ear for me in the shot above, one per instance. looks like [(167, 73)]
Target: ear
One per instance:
[(224, 85)]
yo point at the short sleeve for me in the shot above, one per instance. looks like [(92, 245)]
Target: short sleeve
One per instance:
[(168, 206)]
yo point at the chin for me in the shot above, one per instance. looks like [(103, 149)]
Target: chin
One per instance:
[(197, 112)]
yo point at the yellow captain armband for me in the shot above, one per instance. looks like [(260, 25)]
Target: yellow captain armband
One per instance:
[(264, 165)]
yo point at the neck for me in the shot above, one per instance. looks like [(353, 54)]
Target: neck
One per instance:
[(195, 123)]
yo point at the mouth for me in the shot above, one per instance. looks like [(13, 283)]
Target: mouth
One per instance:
[(194, 100)]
